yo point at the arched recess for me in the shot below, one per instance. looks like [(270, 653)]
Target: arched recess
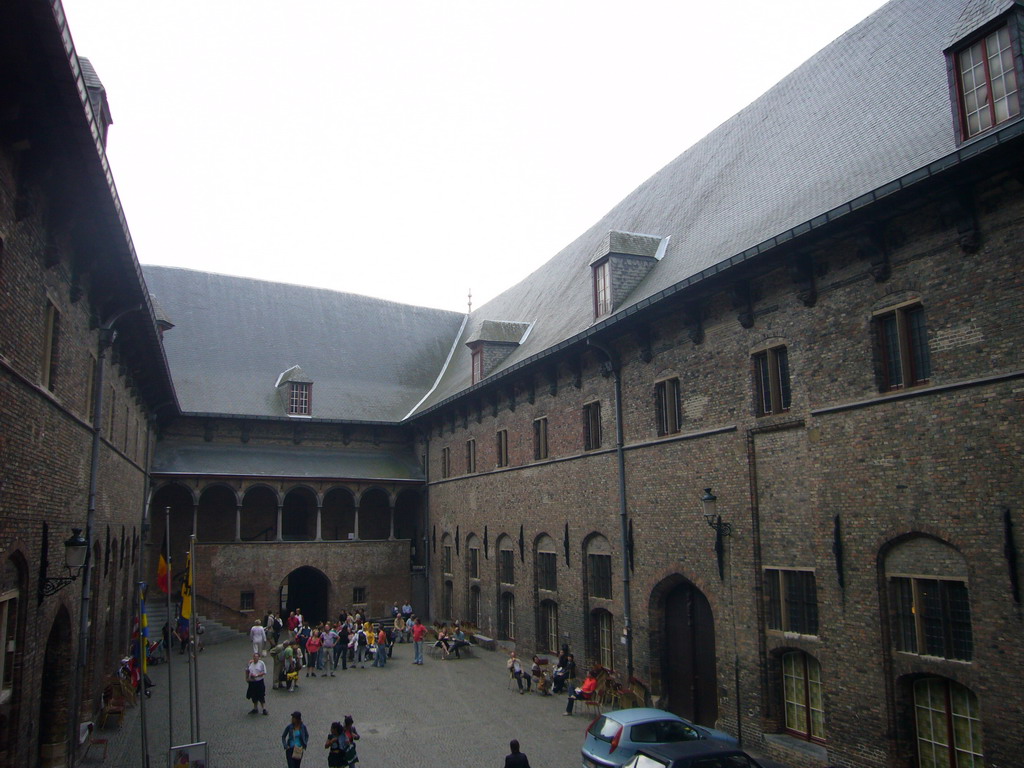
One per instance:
[(545, 558), (474, 611), (447, 554), (683, 655), (408, 522), (215, 519), (796, 689), (259, 514), (507, 616), (308, 589), (13, 600), (547, 626), (55, 696), (338, 515), (939, 721), (181, 503), (298, 515), (374, 515), (472, 560)]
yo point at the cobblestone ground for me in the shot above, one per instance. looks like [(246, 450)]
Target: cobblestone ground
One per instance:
[(452, 713)]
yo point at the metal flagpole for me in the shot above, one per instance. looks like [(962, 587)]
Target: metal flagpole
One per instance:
[(143, 652), (190, 647), (170, 634), (195, 622)]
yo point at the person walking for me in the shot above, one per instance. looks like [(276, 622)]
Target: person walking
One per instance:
[(330, 641), (258, 635), (336, 745), (295, 739), (516, 759), (313, 644), (418, 633), (257, 690), (351, 737), (277, 654)]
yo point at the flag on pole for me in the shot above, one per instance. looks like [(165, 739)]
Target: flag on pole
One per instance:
[(163, 577), (186, 589), (143, 628)]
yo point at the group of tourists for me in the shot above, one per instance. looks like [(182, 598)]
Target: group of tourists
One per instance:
[(341, 742), (545, 683)]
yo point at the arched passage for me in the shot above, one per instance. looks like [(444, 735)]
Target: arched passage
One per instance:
[(407, 522), (215, 520), (306, 588), (338, 515), (298, 516), (179, 500), (55, 697), (683, 649), (259, 514), (374, 515)]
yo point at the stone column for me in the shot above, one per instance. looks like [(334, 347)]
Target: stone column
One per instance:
[(195, 521), (355, 525), (319, 521), (238, 522), (280, 514), (391, 515)]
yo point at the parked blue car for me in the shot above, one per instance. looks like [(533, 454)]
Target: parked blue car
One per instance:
[(614, 737)]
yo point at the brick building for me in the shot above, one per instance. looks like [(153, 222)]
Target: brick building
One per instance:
[(82, 379), (753, 438)]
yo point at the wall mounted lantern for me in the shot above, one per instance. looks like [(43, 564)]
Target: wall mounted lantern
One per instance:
[(709, 503), (76, 549)]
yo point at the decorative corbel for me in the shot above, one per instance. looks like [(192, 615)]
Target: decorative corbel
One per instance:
[(209, 428), (245, 432), (576, 371), (479, 410), (531, 391), (872, 247), (958, 211), (740, 295), (512, 397), (465, 416), (495, 403), (693, 318), (643, 341), (801, 272), (297, 434), (553, 380), (375, 435), (346, 435)]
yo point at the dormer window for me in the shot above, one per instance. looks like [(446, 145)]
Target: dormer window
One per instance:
[(295, 390), (493, 341), (989, 93), (298, 402), (602, 292), (478, 364)]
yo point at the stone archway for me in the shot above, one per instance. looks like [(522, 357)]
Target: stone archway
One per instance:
[(55, 698), (306, 588), (683, 650)]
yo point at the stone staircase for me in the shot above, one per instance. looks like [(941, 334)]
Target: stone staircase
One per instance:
[(215, 632)]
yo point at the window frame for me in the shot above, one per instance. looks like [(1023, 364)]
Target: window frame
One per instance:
[(592, 425), (501, 448), (773, 391), (955, 64), (792, 601), (547, 571), (602, 288), (247, 600), (474, 562), (9, 636), (471, 456), (506, 566), (51, 346), (807, 686), (914, 625), (668, 406), (909, 336), (599, 578), (548, 626), (602, 632), (949, 714), (300, 398), (477, 364), (447, 559), (540, 438), (446, 462)]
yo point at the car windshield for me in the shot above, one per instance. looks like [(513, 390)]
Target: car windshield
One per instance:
[(662, 732), (604, 728)]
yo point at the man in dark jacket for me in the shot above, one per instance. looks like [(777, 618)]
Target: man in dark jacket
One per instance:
[(516, 759)]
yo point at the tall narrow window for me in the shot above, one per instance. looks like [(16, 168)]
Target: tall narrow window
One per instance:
[(447, 558), (601, 623), (506, 565), (599, 575), (805, 713), (446, 462), (299, 398), (502, 448), (470, 457), (592, 426), (792, 601), (602, 290), (668, 407), (989, 93), (771, 381), (540, 438), (948, 724), (507, 616), (903, 347), (9, 633), (474, 605), (548, 634), (449, 600), (51, 334), (547, 571), (474, 563), (478, 364), (932, 617)]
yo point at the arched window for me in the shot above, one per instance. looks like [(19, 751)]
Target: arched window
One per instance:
[(507, 616), (599, 568), (801, 686), (947, 724), (473, 609), (929, 601), (601, 638), (547, 627), (11, 588), (546, 562), (506, 561), (447, 552)]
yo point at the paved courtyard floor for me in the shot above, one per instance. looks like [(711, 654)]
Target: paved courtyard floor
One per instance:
[(452, 713)]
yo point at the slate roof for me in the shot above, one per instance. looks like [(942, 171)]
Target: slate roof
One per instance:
[(869, 108), (368, 359)]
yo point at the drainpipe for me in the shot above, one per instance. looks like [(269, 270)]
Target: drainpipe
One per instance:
[(426, 525), (615, 366), (106, 339)]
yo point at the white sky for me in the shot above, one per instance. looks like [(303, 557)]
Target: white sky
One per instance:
[(414, 150)]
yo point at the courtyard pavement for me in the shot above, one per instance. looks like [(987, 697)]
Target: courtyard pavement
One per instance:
[(452, 713)]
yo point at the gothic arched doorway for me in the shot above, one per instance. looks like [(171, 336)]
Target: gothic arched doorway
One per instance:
[(308, 589), (685, 645), (56, 692)]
